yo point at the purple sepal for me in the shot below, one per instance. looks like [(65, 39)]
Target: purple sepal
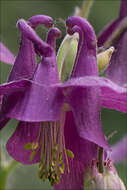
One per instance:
[(26, 132)]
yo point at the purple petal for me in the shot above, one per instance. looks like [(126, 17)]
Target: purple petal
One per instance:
[(73, 180), (112, 95), (83, 150), (85, 105), (5, 55), (14, 86), (119, 150), (85, 63), (24, 65), (7, 89), (24, 133), (114, 98), (39, 96), (37, 104), (117, 70), (47, 100)]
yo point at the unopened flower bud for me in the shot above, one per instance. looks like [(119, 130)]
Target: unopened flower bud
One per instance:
[(66, 56), (103, 58), (109, 179)]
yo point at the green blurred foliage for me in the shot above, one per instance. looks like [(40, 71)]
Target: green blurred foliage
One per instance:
[(103, 11)]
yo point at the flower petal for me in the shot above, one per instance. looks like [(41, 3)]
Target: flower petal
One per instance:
[(85, 105), (5, 55), (7, 89), (85, 63), (24, 133), (24, 65), (119, 150), (113, 96), (14, 86), (47, 100), (83, 150), (40, 95), (36, 97), (73, 180), (114, 99)]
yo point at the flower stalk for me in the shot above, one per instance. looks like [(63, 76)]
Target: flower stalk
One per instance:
[(5, 170), (84, 11), (100, 160)]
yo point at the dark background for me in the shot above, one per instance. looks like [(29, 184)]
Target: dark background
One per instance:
[(102, 12)]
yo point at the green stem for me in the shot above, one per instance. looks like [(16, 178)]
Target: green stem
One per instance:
[(3, 178), (101, 160), (12, 166), (86, 6), (4, 172)]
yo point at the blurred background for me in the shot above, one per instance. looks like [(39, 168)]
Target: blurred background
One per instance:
[(102, 12)]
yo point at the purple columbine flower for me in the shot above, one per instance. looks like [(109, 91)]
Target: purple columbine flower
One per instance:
[(116, 34), (60, 125)]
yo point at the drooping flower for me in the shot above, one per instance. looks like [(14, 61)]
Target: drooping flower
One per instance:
[(42, 107), (116, 34), (74, 180)]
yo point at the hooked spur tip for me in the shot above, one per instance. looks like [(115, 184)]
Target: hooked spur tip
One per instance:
[(22, 25), (55, 32), (73, 30), (42, 47), (19, 22), (34, 21), (25, 28), (69, 22)]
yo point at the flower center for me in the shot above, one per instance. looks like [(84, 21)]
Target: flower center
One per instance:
[(53, 153)]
